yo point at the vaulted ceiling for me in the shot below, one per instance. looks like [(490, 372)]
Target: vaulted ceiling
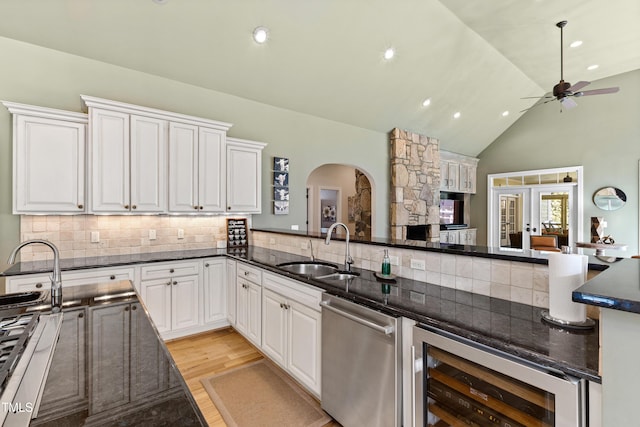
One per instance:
[(325, 57)]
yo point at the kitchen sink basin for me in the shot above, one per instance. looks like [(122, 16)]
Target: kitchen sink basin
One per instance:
[(21, 299), (339, 275), (309, 268)]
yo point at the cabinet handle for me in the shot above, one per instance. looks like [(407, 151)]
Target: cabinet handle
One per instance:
[(134, 207), (81, 315), (126, 206), (246, 273), (126, 308), (38, 285), (112, 277), (80, 206), (195, 207), (206, 265), (171, 271), (175, 283), (286, 306), (134, 307), (228, 208), (200, 207), (169, 283)]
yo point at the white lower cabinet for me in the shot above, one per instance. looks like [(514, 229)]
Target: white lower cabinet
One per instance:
[(291, 328), (231, 291), (171, 293), (214, 290), (248, 310)]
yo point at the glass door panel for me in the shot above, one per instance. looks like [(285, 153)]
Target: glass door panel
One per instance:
[(513, 220)]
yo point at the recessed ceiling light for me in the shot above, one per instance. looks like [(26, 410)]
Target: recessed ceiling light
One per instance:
[(592, 67), (505, 113), (456, 115), (576, 43), (426, 102), (389, 53), (260, 34)]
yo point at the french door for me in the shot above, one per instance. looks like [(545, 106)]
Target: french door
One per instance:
[(517, 213)]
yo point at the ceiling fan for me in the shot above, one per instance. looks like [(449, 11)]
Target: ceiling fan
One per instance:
[(564, 91)]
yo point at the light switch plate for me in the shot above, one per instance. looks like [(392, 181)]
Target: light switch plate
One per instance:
[(418, 264), (152, 234), (95, 237), (180, 233)]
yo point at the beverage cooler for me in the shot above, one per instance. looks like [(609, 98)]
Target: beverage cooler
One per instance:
[(457, 382)]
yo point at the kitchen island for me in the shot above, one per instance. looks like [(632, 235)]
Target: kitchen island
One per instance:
[(110, 367)]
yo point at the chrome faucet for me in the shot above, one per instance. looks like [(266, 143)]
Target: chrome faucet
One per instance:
[(311, 250), (56, 276), (347, 258)]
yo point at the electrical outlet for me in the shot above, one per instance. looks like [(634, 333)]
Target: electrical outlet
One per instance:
[(180, 233), (304, 245), (394, 260), (221, 244), (95, 237), (152, 234), (418, 264)]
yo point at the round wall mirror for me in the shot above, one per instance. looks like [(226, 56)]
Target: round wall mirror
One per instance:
[(609, 198)]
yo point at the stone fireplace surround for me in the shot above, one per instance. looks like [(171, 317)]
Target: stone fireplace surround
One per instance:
[(415, 186)]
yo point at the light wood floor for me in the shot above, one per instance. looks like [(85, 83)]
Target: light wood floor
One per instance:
[(203, 355)]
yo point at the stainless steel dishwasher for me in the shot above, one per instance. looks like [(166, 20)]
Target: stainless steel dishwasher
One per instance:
[(361, 364)]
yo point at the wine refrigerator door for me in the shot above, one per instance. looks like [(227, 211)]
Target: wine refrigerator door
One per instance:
[(459, 383)]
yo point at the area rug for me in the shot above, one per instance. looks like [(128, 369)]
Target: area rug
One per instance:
[(259, 394)]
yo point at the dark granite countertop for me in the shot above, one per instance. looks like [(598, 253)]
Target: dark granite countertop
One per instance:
[(112, 379), (516, 329), (513, 328), (618, 289)]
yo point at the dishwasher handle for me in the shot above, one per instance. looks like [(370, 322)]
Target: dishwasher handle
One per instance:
[(385, 329)]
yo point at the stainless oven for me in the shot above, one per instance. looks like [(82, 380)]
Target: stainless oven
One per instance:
[(459, 382)]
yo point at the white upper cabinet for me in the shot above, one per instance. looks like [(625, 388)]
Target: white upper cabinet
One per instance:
[(48, 160), (196, 169), (128, 162), (244, 175), (458, 172)]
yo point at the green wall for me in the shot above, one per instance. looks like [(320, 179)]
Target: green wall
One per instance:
[(602, 134), (44, 77)]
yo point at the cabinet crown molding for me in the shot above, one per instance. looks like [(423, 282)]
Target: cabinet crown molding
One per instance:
[(246, 143), (45, 112), (91, 101)]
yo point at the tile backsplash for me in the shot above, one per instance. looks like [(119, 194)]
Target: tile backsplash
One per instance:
[(118, 234)]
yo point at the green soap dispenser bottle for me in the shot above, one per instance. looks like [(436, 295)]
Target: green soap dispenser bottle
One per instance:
[(386, 263)]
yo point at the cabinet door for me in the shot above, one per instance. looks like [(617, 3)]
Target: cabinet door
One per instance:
[(49, 165), (211, 170), (274, 327), (185, 302), (148, 164), (304, 345), (156, 295), (110, 355), (254, 313), (183, 168), (109, 161), (453, 176), (148, 363), (472, 171), (65, 390), (242, 306), (215, 290), (244, 169), (231, 291)]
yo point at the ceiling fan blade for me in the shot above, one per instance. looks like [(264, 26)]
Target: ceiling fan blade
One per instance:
[(538, 97), (539, 103), (568, 103), (576, 87), (597, 91)]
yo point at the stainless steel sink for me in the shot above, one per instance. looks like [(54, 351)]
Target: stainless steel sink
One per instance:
[(339, 275), (21, 299), (309, 268)]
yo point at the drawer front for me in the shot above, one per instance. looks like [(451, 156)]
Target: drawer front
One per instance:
[(169, 269), (36, 282), (249, 273), (100, 275), (307, 295), (30, 282)]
